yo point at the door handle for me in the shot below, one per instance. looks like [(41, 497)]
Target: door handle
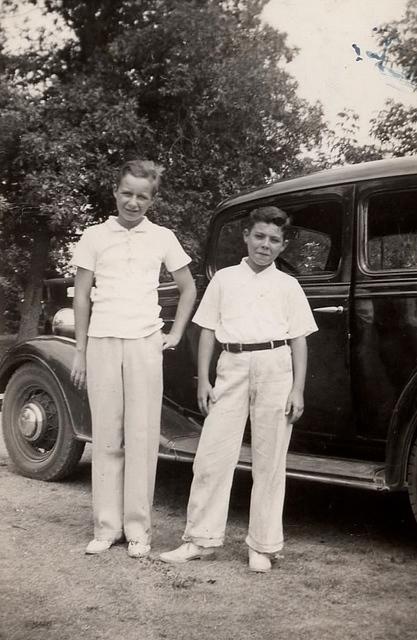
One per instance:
[(329, 309)]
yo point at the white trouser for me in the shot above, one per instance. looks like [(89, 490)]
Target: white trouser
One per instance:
[(124, 382), (255, 383)]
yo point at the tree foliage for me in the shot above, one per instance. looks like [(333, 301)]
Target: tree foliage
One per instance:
[(344, 147), (396, 125), (198, 85), (399, 41), (396, 129)]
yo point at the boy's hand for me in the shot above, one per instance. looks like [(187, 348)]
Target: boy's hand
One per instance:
[(295, 405), (78, 371), (170, 341), (204, 395)]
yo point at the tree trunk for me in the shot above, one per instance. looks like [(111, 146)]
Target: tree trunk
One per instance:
[(2, 310), (31, 306)]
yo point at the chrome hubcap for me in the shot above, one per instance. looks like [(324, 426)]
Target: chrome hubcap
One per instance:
[(32, 421)]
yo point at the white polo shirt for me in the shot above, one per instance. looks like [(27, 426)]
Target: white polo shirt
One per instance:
[(243, 306), (126, 265)]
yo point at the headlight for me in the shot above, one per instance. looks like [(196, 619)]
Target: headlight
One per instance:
[(63, 323)]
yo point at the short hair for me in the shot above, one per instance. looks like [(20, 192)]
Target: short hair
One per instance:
[(142, 169), (270, 215)]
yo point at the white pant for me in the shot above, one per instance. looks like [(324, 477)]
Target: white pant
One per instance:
[(124, 382), (255, 383)]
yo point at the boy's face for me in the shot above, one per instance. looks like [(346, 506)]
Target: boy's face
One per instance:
[(265, 242), (133, 198)]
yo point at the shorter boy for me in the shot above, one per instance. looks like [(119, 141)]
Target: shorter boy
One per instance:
[(261, 317)]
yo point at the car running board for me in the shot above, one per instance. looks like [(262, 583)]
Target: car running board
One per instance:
[(351, 473)]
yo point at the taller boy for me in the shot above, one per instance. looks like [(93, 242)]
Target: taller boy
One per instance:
[(122, 357)]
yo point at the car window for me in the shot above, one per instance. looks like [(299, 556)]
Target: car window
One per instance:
[(307, 251), (392, 231), (313, 239)]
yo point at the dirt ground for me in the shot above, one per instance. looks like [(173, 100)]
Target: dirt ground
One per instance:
[(349, 572)]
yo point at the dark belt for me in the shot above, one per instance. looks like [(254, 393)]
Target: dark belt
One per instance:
[(237, 347)]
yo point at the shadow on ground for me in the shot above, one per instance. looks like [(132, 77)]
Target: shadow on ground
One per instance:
[(319, 511)]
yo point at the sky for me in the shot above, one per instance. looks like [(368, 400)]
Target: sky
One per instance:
[(326, 68)]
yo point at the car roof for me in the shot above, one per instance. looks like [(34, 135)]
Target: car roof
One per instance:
[(339, 175)]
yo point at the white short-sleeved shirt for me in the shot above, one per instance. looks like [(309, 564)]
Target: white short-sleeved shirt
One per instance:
[(242, 306), (126, 265)]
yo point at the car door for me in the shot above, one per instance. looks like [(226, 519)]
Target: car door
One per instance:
[(318, 254), (384, 315)]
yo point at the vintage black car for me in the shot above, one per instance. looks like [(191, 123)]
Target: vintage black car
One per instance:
[(353, 247)]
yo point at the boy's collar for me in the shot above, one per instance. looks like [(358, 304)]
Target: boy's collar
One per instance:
[(116, 226), (271, 267)]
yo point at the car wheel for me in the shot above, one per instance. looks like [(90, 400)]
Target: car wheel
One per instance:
[(412, 478), (37, 427)]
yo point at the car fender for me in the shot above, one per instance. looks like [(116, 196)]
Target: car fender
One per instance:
[(401, 433), (55, 354)]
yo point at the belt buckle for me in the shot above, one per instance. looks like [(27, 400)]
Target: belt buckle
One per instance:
[(271, 342), (240, 347), (226, 347)]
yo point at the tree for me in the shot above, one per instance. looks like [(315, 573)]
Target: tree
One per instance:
[(41, 201), (396, 129), (343, 146), (396, 125), (199, 85), (398, 40)]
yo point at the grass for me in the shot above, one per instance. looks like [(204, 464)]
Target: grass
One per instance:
[(349, 571)]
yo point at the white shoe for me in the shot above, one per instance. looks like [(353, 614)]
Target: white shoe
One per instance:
[(136, 549), (259, 562), (98, 546), (187, 551)]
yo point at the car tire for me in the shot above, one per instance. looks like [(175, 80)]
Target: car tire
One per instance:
[(412, 478), (36, 425)]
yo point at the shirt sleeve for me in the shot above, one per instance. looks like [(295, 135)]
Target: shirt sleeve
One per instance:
[(85, 253), (208, 312), (175, 256), (300, 318)]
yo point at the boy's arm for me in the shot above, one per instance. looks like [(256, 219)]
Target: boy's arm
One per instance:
[(82, 293), (295, 401), (185, 283), (205, 354)]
